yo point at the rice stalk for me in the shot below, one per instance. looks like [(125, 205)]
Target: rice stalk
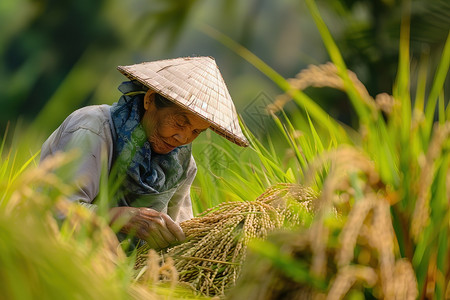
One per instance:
[(349, 275), (404, 281), (42, 176), (344, 162), (385, 102), (157, 270), (421, 214), (349, 235), (327, 75)]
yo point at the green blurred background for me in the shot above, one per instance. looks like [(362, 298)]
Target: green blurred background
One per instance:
[(59, 55)]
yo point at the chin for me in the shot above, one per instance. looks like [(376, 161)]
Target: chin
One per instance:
[(161, 149)]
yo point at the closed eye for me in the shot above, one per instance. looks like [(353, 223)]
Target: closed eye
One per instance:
[(198, 131), (183, 121)]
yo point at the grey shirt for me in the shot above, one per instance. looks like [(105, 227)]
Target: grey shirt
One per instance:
[(89, 130)]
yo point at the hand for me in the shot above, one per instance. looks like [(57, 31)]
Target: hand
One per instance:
[(157, 228)]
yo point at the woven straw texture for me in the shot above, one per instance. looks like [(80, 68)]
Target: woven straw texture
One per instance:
[(194, 83)]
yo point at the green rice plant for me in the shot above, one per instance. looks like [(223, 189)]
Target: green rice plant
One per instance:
[(12, 164), (388, 176), (37, 261), (303, 100), (229, 173), (52, 248), (350, 249), (408, 153)]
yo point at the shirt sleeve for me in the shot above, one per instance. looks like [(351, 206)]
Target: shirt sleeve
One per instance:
[(88, 172), (180, 206), (92, 150)]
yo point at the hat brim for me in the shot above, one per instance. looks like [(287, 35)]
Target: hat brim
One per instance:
[(241, 141)]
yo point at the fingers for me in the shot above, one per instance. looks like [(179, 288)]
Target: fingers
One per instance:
[(174, 229), (155, 240), (156, 233), (157, 228)]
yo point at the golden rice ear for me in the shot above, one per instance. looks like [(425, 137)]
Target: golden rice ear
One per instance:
[(421, 214), (319, 76)]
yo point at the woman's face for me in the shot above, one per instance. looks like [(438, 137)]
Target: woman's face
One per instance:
[(169, 127)]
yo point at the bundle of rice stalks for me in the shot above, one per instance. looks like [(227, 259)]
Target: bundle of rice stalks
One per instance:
[(216, 242)]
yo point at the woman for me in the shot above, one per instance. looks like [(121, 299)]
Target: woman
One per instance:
[(145, 139)]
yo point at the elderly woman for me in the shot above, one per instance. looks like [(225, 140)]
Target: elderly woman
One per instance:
[(145, 139)]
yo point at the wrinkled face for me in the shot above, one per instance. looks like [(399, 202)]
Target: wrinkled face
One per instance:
[(169, 127)]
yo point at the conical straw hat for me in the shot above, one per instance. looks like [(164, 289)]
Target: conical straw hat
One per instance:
[(194, 83)]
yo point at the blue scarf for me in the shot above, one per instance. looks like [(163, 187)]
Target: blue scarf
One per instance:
[(143, 171)]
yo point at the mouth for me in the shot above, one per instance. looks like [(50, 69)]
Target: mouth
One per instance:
[(161, 146), (168, 146)]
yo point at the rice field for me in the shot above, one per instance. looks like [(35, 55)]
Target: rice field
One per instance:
[(332, 213)]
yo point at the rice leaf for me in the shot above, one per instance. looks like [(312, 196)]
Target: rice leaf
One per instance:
[(301, 98), (436, 88), (362, 109)]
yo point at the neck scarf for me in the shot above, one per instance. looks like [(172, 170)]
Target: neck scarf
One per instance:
[(143, 171)]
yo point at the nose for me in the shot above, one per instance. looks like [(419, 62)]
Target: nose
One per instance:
[(181, 137)]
